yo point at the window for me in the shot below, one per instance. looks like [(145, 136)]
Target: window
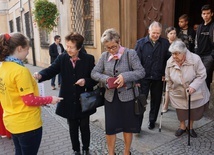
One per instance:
[(18, 24), (11, 26), (44, 38), (27, 24), (83, 19)]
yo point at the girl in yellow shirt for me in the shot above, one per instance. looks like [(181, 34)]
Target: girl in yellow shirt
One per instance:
[(19, 95)]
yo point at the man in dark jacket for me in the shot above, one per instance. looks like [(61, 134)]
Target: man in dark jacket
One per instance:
[(186, 33), (153, 53), (55, 49), (75, 67), (204, 43)]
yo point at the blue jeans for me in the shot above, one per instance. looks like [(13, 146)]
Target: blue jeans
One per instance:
[(53, 80), (27, 143)]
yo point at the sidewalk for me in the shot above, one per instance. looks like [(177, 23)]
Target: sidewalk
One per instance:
[(56, 141)]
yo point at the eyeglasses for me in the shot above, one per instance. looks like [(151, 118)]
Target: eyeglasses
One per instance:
[(111, 48), (176, 53)]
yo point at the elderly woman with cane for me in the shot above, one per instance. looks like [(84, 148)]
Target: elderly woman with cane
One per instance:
[(185, 74)]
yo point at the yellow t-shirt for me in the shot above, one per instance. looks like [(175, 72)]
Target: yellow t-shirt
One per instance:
[(17, 81)]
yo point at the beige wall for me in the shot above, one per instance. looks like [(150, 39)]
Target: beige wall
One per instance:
[(128, 24), (41, 53), (3, 16), (3, 27), (123, 17), (63, 28), (96, 49)]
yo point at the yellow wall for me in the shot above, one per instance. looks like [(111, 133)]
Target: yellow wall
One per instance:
[(96, 50), (3, 27), (64, 27)]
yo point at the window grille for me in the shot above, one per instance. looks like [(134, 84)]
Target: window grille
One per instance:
[(11, 26), (18, 24), (82, 18), (27, 24)]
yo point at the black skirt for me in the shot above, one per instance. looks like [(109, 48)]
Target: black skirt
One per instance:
[(120, 117)]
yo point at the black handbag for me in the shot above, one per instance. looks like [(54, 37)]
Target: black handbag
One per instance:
[(139, 104), (92, 100), (140, 101)]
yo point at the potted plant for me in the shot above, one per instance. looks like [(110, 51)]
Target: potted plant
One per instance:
[(45, 14)]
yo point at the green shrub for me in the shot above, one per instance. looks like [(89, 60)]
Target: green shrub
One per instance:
[(45, 14)]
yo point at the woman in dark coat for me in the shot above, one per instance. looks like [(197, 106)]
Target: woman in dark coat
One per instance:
[(75, 67)]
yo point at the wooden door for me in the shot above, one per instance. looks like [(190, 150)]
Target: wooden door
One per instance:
[(154, 10)]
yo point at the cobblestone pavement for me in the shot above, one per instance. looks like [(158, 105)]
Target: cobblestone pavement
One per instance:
[(98, 141), (203, 145), (56, 141)]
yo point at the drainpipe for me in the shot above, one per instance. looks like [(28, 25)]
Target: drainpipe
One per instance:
[(21, 16), (32, 34)]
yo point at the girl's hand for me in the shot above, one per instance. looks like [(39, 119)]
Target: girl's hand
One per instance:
[(56, 99)]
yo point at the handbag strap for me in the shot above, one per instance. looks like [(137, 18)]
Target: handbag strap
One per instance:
[(130, 69)]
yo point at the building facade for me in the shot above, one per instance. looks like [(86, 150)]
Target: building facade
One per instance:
[(91, 17)]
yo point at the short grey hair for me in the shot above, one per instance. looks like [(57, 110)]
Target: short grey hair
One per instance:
[(155, 24), (110, 35), (178, 46)]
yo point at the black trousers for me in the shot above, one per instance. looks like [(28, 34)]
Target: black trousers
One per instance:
[(156, 89), (83, 125), (208, 63)]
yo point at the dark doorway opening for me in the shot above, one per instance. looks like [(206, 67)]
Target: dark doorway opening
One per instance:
[(192, 8)]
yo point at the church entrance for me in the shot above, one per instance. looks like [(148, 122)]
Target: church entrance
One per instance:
[(192, 8), (167, 13)]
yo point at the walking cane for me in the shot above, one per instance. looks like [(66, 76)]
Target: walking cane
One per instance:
[(160, 121), (189, 101), (163, 101), (161, 114)]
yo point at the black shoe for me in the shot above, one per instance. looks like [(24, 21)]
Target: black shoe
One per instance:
[(77, 153), (151, 125), (192, 133), (179, 132)]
